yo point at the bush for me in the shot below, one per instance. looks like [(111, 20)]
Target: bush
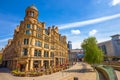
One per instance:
[(32, 74), (14, 72), (18, 73), (22, 74)]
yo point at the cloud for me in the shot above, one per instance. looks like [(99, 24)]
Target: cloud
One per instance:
[(115, 2), (75, 31), (76, 45), (92, 32), (4, 40), (88, 22), (6, 35)]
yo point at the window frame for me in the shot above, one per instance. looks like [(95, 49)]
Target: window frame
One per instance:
[(25, 51)]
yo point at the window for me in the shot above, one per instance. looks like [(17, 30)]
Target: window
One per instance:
[(25, 51), (28, 32), (28, 25), (26, 41), (18, 43), (46, 32), (38, 43), (46, 46), (118, 42), (46, 54), (32, 26), (46, 38), (104, 49), (36, 63), (31, 13), (52, 54), (37, 53), (39, 29), (52, 47), (38, 35)]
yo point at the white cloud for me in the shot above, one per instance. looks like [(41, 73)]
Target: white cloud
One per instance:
[(4, 40), (92, 32), (115, 2), (6, 35), (75, 31), (88, 22), (76, 45)]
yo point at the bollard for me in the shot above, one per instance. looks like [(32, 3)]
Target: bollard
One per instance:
[(75, 78)]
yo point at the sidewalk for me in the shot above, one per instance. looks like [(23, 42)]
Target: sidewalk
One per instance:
[(78, 70)]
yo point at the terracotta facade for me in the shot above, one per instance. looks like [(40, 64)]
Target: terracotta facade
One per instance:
[(34, 46)]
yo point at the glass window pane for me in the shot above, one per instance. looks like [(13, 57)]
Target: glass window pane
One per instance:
[(32, 14), (27, 31), (26, 41), (28, 25), (35, 53), (39, 53), (25, 51)]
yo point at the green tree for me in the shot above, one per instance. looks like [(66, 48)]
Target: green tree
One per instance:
[(93, 55)]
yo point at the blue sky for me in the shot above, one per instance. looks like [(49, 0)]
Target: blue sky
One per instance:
[(77, 19)]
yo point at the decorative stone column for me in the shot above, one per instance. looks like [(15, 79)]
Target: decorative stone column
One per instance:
[(49, 63), (42, 62), (32, 52), (31, 64), (26, 67), (42, 53)]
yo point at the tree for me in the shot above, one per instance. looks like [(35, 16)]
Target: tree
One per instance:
[(93, 55)]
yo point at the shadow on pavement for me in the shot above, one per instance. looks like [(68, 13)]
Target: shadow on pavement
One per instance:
[(4, 70), (80, 70)]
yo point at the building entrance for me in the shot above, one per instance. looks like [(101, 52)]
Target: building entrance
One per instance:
[(46, 64), (22, 67), (56, 59)]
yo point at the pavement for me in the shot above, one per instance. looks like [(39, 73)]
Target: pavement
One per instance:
[(118, 74), (80, 70)]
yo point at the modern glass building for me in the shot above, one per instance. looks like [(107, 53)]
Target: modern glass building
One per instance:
[(69, 45)]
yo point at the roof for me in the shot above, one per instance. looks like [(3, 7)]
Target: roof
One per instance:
[(104, 42), (33, 7), (77, 50), (115, 35)]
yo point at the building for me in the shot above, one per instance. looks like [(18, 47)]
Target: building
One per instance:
[(111, 47), (116, 44), (69, 45), (1, 51), (75, 55), (34, 46)]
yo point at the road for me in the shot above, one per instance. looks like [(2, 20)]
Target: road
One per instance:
[(81, 70)]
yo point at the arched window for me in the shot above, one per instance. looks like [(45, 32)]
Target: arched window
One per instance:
[(31, 13)]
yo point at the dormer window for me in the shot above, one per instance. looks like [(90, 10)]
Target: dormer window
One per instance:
[(31, 13)]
